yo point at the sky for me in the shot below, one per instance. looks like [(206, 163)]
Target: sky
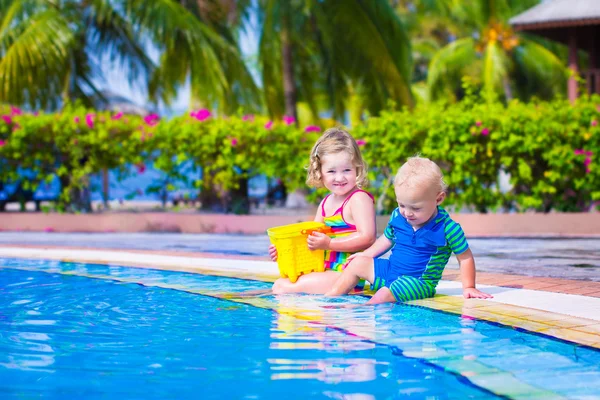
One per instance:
[(115, 77)]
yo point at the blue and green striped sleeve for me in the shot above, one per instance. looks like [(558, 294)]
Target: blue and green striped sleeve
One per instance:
[(389, 230), (455, 237)]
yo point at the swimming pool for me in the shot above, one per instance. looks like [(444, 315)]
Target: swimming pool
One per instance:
[(71, 330)]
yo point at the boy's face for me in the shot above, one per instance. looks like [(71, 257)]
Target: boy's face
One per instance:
[(417, 204)]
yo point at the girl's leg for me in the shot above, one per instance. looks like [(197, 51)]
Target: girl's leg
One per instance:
[(383, 295), (313, 283), (359, 268)]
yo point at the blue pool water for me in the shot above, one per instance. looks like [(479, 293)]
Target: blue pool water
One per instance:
[(70, 330)]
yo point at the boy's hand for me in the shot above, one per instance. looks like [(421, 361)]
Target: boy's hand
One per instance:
[(472, 293), (318, 240), (273, 252)]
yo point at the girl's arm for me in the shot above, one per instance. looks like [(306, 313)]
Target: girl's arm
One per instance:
[(467, 273), (318, 218), (381, 246), (319, 215), (363, 214)]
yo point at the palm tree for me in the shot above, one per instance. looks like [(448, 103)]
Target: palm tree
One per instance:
[(50, 51), (198, 40), (494, 55), (324, 52)]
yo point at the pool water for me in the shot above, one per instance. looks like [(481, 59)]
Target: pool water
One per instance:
[(70, 330)]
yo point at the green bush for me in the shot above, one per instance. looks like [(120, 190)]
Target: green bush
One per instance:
[(549, 149)]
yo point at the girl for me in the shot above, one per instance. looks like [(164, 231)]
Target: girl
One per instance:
[(335, 163)]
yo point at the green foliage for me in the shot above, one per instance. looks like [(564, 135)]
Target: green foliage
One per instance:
[(549, 150), (71, 145)]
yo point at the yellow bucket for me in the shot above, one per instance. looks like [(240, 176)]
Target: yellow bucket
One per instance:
[(293, 256)]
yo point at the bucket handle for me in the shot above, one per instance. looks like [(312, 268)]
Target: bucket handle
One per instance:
[(324, 229)]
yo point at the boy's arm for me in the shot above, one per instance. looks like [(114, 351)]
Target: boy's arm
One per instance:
[(467, 274)]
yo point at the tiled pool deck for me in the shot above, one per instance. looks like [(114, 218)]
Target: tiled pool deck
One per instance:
[(562, 308)]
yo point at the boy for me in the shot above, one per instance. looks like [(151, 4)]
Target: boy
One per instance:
[(422, 237)]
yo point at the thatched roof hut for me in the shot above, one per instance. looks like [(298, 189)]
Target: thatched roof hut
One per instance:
[(575, 23)]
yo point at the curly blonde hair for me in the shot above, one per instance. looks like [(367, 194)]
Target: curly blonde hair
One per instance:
[(420, 172), (333, 141)]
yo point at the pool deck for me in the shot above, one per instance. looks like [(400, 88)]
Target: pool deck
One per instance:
[(561, 308)]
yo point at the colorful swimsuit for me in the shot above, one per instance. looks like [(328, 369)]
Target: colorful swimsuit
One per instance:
[(336, 260)]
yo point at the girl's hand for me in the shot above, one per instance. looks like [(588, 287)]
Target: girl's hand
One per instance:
[(273, 252), (472, 293), (318, 240)]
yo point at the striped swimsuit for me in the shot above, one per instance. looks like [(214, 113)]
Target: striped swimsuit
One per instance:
[(336, 260)]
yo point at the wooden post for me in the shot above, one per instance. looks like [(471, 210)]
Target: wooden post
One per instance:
[(594, 75), (572, 85), (105, 188)]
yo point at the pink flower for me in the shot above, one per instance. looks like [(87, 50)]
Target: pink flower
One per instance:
[(478, 123), (89, 120), (151, 119), (117, 115), (141, 168), (485, 131), (588, 161), (594, 122), (249, 117), (201, 115), (36, 113), (2, 143), (288, 120), (48, 229), (15, 111), (588, 153), (312, 128), (76, 120), (234, 142), (269, 125), (7, 119), (361, 142)]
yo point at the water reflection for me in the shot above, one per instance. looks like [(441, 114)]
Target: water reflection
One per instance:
[(31, 351), (302, 323)]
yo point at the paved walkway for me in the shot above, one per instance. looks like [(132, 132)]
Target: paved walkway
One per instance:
[(567, 258), (565, 309)]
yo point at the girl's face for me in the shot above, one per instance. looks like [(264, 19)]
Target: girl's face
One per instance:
[(339, 173)]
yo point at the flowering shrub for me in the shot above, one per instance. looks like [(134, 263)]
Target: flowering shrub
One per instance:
[(550, 150)]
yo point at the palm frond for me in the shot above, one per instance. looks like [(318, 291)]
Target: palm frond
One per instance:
[(36, 61), (448, 67), (496, 69), (180, 34), (368, 36), (540, 72), (111, 33)]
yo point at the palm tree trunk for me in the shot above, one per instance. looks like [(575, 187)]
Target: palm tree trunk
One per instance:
[(507, 89), (289, 85)]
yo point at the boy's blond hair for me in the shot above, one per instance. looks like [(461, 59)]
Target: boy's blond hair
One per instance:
[(333, 141), (420, 172)]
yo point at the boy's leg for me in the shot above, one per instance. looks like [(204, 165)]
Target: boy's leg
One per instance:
[(313, 283), (359, 268)]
